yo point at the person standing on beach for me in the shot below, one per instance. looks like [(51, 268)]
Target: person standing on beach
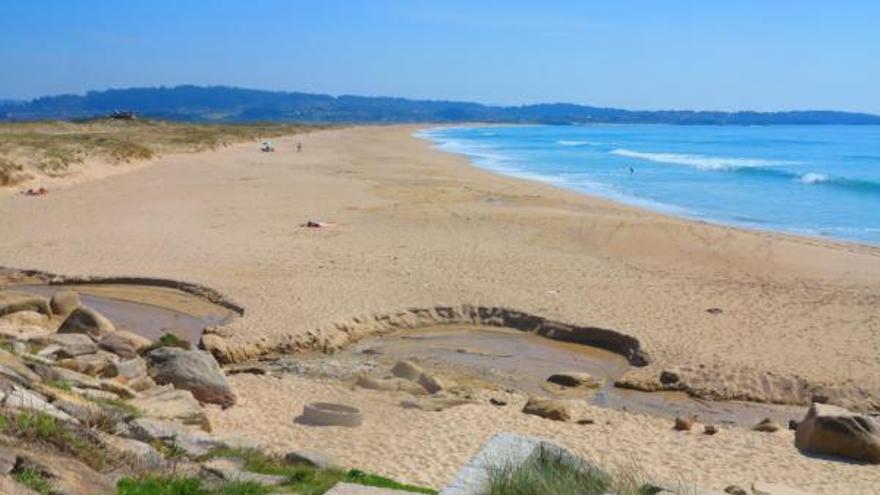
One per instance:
[(299, 147)]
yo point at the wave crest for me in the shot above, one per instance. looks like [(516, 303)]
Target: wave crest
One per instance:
[(701, 162)]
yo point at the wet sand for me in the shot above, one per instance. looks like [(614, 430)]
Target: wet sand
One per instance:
[(416, 228)]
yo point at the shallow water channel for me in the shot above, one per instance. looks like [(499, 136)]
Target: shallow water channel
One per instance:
[(523, 361), (146, 310)]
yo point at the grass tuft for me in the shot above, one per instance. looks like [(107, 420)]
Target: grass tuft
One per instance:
[(554, 472), (33, 479)]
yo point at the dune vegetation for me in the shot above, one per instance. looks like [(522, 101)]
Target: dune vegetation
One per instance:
[(59, 148)]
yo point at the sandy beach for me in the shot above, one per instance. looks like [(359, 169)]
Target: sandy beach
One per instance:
[(418, 228)]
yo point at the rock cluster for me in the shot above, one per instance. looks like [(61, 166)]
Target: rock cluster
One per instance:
[(135, 402)]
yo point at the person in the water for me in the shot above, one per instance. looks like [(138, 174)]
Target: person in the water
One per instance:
[(631, 171)]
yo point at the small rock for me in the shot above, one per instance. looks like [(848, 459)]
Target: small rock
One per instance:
[(586, 422), (408, 370), (63, 302), (793, 424), (759, 488), (88, 321), (497, 402), (684, 423), (311, 458), (710, 429), (124, 344), (432, 383), (668, 377), (556, 410), (714, 311), (390, 384), (736, 490), (574, 379), (196, 371), (434, 404), (766, 425)]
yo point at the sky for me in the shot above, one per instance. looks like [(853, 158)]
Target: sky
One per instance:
[(637, 54)]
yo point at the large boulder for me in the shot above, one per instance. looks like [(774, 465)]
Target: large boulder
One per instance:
[(196, 371), (64, 301), (124, 343), (832, 430), (557, 410), (88, 321)]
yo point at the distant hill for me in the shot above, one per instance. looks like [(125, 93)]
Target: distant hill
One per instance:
[(227, 104)]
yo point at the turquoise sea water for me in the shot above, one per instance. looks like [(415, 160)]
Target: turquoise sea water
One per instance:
[(810, 180)]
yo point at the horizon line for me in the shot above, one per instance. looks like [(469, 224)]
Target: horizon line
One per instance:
[(428, 99)]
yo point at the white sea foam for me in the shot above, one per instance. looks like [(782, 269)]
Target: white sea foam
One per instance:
[(813, 178), (701, 162), (565, 142)]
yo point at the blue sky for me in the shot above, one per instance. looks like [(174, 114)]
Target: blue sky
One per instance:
[(650, 54)]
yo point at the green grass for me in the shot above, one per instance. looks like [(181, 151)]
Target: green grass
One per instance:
[(550, 472), (60, 385), (307, 480), (169, 485), (362, 478), (40, 428), (33, 479)]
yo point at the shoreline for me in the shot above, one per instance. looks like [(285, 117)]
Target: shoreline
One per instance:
[(631, 202), (416, 230)]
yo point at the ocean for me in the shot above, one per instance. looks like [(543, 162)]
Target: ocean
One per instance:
[(811, 180)]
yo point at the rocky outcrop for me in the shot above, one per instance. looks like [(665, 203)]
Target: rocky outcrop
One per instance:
[(88, 321), (831, 430), (196, 371)]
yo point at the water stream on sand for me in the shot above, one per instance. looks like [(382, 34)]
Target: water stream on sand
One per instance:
[(523, 361), (145, 310)]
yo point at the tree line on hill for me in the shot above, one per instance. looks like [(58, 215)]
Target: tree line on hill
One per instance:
[(229, 104)]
